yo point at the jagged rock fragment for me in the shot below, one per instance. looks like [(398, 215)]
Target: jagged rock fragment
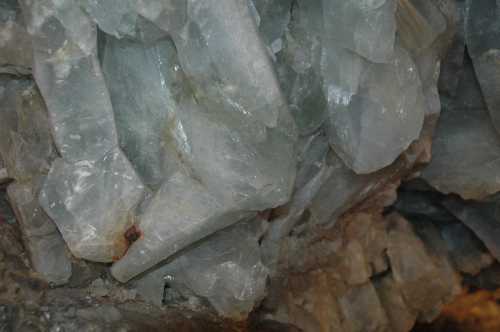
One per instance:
[(466, 147), (414, 269)]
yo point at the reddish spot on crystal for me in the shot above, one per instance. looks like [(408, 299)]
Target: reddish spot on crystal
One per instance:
[(132, 234)]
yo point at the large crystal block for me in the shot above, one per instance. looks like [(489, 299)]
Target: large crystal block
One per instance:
[(92, 204), (240, 169), (46, 248), (221, 44), (69, 76), (143, 87), (364, 27), (376, 111), (181, 213), (225, 268)]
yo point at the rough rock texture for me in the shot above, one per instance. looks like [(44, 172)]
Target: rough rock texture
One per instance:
[(27, 150), (466, 146), (15, 42)]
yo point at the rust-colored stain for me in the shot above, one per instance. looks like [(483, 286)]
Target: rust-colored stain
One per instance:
[(132, 234), (124, 241)]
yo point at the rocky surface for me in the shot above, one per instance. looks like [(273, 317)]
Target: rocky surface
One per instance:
[(245, 165)]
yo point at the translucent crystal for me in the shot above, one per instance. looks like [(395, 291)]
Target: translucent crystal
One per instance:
[(241, 170), (46, 248), (221, 43), (142, 85), (92, 204), (182, 212), (70, 79), (273, 20), (115, 17), (299, 66), (226, 269), (168, 15), (364, 27), (373, 122)]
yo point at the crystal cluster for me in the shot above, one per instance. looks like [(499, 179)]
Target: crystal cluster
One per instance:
[(205, 148)]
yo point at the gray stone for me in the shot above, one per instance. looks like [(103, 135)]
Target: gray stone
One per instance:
[(481, 218), (466, 250), (15, 42), (482, 37), (466, 148)]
